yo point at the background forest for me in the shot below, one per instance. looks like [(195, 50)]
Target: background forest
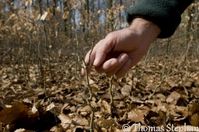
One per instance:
[(42, 46)]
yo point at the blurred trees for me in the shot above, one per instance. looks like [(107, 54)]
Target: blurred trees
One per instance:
[(51, 28), (57, 33)]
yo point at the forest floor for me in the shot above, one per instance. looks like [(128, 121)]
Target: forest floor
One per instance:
[(156, 95)]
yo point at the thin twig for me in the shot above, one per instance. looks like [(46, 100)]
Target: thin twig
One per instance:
[(87, 69), (111, 94), (111, 91), (92, 114), (92, 121)]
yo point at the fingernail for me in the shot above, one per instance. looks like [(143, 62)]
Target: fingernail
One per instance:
[(96, 62)]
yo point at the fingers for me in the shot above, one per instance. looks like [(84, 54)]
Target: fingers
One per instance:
[(101, 50), (99, 53), (105, 58), (124, 69), (89, 59), (133, 59), (99, 57), (107, 66), (111, 66), (115, 66)]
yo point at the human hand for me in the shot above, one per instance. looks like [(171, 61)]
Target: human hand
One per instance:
[(122, 49)]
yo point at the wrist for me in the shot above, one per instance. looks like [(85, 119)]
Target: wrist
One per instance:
[(147, 29)]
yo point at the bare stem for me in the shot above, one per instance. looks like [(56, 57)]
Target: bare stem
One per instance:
[(87, 69), (88, 86), (111, 91), (92, 121)]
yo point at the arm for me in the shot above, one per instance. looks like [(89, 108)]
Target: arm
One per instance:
[(164, 13), (122, 49)]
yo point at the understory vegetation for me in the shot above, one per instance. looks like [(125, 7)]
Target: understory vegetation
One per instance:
[(42, 47)]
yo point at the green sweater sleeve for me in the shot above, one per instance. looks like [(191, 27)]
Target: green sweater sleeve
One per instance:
[(164, 13)]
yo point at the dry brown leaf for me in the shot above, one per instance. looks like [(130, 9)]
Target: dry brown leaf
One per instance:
[(171, 82), (20, 130), (65, 120), (56, 129), (195, 91), (188, 83), (50, 107), (173, 97), (106, 123), (85, 110), (155, 118), (194, 120), (182, 110), (80, 121), (193, 107), (126, 90), (196, 83), (137, 115), (17, 111), (105, 106)]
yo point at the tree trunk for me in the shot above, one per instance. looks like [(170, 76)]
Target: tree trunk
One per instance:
[(110, 15)]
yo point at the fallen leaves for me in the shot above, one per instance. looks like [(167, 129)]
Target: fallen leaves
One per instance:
[(21, 115), (194, 113), (137, 115), (18, 110), (126, 90), (194, 120), (173, 97), (144, 97)]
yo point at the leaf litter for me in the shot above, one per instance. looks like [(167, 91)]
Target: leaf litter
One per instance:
[(154, 94)]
